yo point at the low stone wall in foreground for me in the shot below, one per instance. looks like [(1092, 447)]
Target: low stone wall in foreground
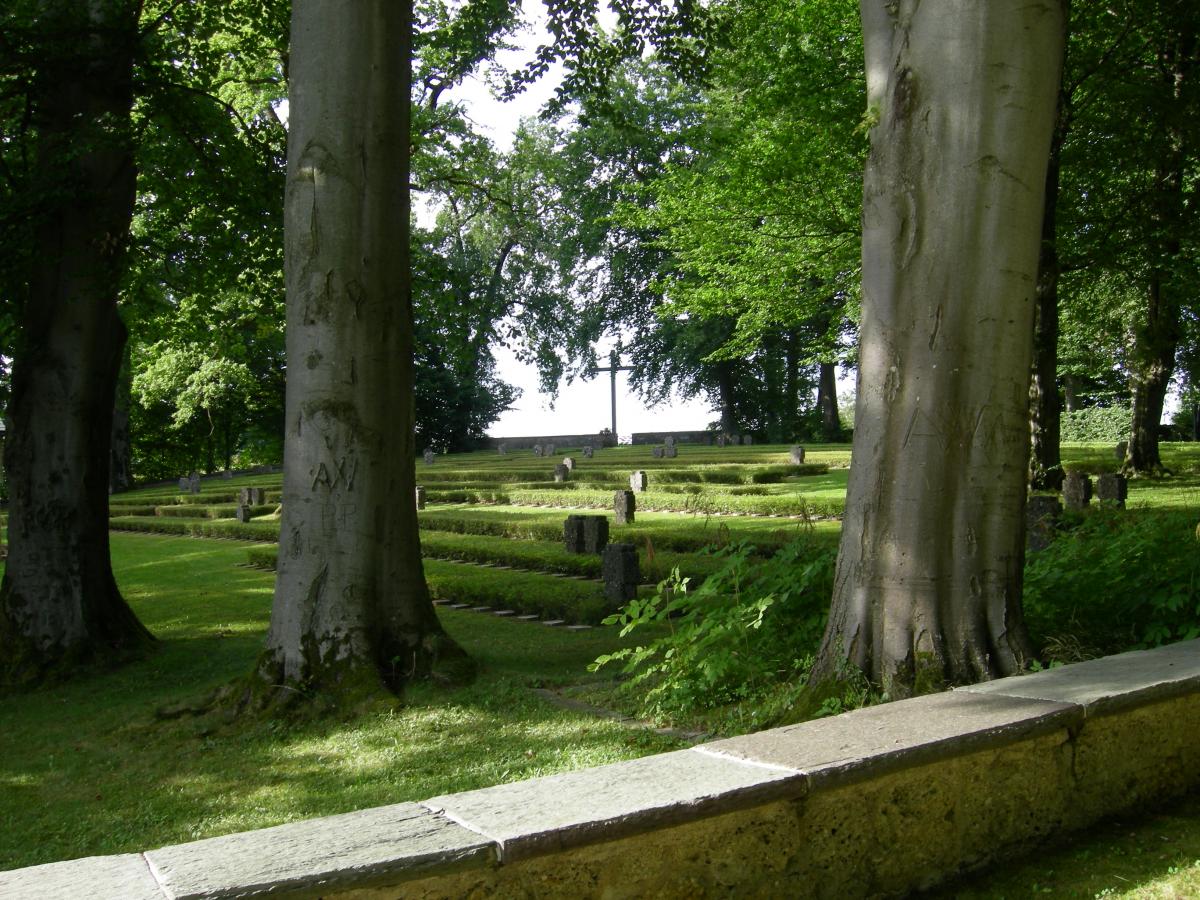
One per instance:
[(873, 802)]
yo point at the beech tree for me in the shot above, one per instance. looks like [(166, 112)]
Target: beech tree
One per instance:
[(70, 213), (961, 100), (352, 612)]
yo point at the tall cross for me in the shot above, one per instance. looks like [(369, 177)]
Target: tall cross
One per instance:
[(614, 367)]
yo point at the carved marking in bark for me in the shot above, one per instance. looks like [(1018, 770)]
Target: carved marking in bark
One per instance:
[(343, 472)]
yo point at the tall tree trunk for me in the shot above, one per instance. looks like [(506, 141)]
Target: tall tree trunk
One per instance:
[(792, 379), (726, 396), (352, 612), (928, 583), (59, 603), (1157, 339), (1071, 393), (1045, 412), (827, 403), (121, 468)]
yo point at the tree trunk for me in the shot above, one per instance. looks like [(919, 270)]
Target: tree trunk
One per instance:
[(792, 380), (59, 604), (1045, 413), (120, 476), (352, 612), (1071, 393), (827, 403), (726, 396), (1157, 339), (928, 583)]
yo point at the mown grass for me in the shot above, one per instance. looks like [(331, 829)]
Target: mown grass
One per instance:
[(86, 768)]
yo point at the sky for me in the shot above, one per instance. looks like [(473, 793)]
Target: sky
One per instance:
[(581, 407)]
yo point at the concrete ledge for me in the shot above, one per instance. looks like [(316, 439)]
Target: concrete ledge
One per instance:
[(875, 802)]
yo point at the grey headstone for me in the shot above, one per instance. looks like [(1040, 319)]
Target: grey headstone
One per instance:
[(734, 440), (502, 449), (637, 481), (748, 439), (420, 492), (585, 534), (722, 440), (669, 441), (569, 462), (619, 565), (624, 505), (1077, 490), (428, 456), (1112, 488), (657, 452), (670, 451), (548, 449), (1041, 515), (1120, 450), (227, 474), (252, 496), (537, 450), (588, 452), (561, 473), (243, 514), (194, 482), (184, 484), (797, 456)]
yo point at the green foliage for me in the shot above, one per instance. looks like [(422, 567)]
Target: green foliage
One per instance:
[(1097, 423), (749, 628), (1116, 580)]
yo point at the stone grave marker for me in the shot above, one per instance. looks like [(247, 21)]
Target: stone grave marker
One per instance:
[(624, 505), (1112, 488), (537, 450), (585, 534), (561, 473), (184, 484), (569, 462), (420, 492), (734, 440), (656, 452), (1041, 516), (797, 456), (589, 452), (670, 451), (669, 441), (227, 474), (502, 449), (722, 440), (428, 456), (252, 496), (638, 481), (619, 564), (1077, 490), (243, 513), (194, 482), (747, 439), (548, 450), (1120, 450)]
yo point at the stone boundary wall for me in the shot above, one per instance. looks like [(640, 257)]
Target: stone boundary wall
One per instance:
[(561, 442), (681, 437), (873, 802)]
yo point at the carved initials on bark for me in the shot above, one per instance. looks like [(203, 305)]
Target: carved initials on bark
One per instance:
[(340, 471)]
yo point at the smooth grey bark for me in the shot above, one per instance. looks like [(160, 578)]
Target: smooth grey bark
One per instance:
[(59, 604), (351, 605), (928, 582)]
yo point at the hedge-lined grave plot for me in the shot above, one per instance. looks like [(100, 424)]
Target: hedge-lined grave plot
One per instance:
[(492, 532)]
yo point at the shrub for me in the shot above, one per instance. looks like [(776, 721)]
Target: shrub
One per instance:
[(1109, 424), (1116, 580), (749, 628)]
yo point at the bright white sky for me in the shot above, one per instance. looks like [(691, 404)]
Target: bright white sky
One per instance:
[(581, 407)]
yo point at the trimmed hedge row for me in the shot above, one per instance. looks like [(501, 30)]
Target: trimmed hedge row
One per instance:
[(664, 472), (654, 501), (526, 593), (230, 529)]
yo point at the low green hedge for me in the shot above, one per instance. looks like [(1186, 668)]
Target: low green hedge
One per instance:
[(212, 528), (702, 503)]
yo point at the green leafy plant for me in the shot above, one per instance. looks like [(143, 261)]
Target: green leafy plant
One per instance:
[(738, 637)]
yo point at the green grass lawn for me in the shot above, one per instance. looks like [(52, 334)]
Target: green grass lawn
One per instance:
[(86, 768)]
